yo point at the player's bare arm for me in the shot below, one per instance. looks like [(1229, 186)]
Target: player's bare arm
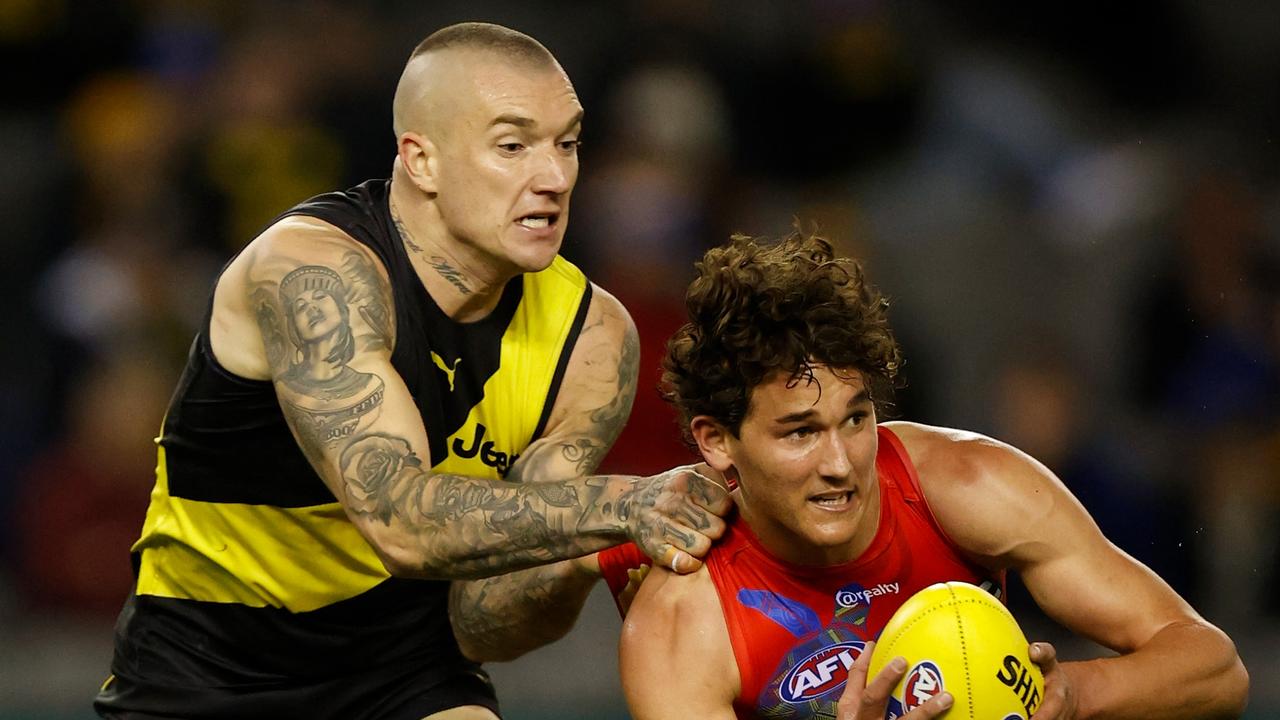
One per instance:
[(1172, 663), (675, 655), (320, 304), (503, 617)]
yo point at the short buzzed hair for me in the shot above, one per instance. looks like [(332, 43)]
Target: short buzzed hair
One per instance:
[(487, 36)]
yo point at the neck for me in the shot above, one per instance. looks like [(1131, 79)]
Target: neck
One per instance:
[(785, 546), (461, 282)]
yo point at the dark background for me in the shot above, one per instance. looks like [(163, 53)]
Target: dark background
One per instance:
[(1075, 210)]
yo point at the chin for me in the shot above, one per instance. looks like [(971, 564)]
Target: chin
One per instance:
[(535, 259), (830, 539)]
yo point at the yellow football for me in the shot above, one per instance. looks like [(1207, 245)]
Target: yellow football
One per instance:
[(959, 638)]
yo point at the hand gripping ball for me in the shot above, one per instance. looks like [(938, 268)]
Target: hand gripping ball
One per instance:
[(959, 638)]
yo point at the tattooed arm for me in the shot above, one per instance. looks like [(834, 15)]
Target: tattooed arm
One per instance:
[(308, 308), (503, 617)]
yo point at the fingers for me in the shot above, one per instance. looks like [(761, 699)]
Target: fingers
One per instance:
[(876, 699), (635, 577), (876, 696), (869, 701), (678, 561), (1044, 655), (932, 708), (707, 493), (855, 684), (1059, 699), (673, 517)]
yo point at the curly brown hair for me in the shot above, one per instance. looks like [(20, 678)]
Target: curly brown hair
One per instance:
[(759, 307)]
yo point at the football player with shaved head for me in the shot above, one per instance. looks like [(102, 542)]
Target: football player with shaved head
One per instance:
[(779, 378), (398, 386)]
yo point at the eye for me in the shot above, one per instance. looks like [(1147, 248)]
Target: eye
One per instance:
[(800, 433), (858, 418), (570, 146), (510, 148)]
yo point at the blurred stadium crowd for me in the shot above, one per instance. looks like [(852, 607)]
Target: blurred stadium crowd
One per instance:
[(1075, 210)]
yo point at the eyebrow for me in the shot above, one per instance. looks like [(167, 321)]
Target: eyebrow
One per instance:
[(517, 120), (521, 121), (861, 397)]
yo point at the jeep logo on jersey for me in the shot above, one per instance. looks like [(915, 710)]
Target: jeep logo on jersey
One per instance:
[(495, 459), (923, 682), (820, 673)]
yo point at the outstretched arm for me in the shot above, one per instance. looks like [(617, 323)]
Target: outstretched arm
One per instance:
[(322, 309), (1171, 663)]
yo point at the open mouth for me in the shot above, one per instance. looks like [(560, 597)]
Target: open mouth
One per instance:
[(539, 221), (833, 500)]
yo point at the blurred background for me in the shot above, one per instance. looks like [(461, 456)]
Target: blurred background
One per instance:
[(1075, 209)]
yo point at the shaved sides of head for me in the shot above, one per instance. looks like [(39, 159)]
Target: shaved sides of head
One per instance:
[(416, 81)]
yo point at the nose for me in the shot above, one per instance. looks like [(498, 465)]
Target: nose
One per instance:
[(834, 460), (555, 173)]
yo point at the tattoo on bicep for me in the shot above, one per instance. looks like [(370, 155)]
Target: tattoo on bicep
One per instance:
[(607, 421), (326, 400), (273, 339), (586, 451), (321, 381), (613, 416), (371, 296)]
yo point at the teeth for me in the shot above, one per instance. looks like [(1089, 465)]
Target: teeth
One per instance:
[(837, 500), (536, 221)]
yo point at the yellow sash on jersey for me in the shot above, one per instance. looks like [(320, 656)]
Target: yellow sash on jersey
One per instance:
[(306, 558)]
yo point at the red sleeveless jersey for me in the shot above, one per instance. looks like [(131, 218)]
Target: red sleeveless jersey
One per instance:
[(796, 629)]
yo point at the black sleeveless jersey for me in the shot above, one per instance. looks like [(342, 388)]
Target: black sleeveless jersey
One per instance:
[(248, 572)]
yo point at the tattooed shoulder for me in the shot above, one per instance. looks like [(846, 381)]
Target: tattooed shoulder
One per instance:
[(370, 294), (311, 336)]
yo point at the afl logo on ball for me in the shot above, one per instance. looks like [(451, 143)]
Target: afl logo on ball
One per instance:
[(923, 682), (820, 673)]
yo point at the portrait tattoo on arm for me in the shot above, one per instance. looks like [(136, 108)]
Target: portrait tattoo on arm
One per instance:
[(457, 526), (310, 340)]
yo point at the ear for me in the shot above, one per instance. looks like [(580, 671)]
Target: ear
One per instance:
[(714, 442), (418, 159)]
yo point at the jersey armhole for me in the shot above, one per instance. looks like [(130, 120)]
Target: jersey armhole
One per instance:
[(913, 493), (562, 365), (737, 634)]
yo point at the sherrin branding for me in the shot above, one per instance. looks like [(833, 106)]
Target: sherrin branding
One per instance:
[(958, 638)]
